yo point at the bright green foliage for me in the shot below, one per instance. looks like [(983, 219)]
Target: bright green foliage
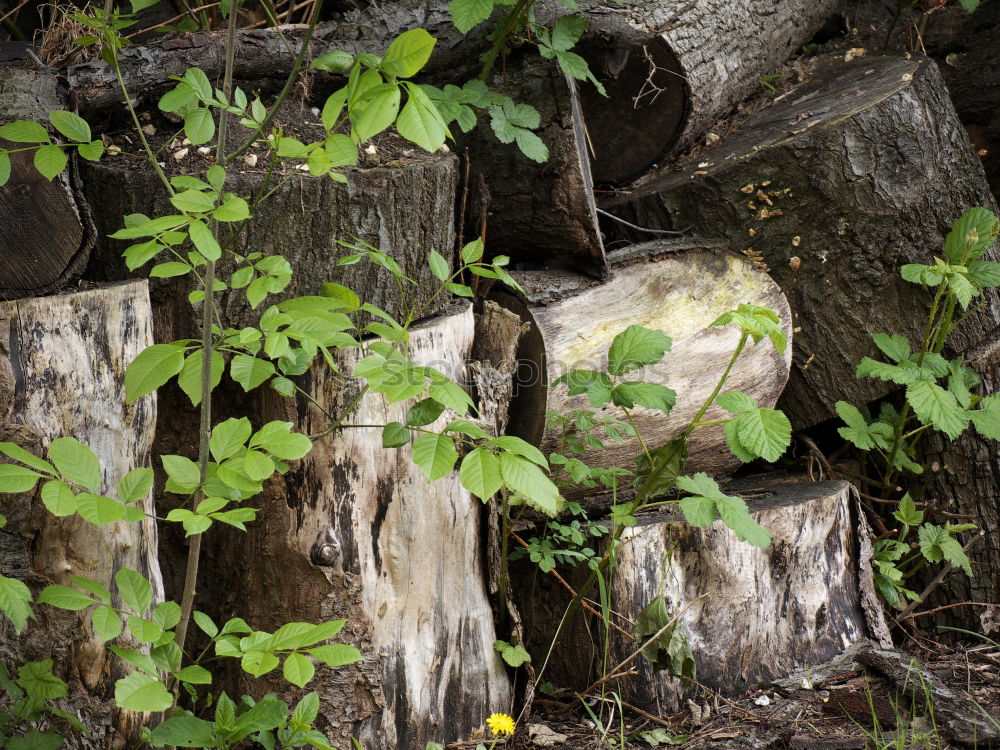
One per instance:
[(707, 502), (15, 602), (513, 653), (667, 648), (758, 323), (636, 347)]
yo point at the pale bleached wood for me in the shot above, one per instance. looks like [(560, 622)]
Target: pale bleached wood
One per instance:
[(359, 533), (749, 613), (681, 292), (65, 359)]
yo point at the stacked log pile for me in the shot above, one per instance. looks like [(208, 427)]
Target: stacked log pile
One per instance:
[(808, 207)]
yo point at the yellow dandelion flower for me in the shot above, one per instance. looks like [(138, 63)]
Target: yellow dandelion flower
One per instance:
[(501, 724)]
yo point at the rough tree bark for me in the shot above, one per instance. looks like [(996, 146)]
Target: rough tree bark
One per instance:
[(835, 187), (749, 613), (355, 531), (47, 230), (405, 210), (62, 373), (677, 287)]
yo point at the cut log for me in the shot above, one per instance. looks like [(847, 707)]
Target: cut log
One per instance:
[(678, 287), (47, 230), (303, 221), (749, 614), (675, 69), (835, 187), (61, 374), (351, 533)]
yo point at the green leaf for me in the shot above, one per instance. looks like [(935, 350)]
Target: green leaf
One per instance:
[(15, 451), (865, 436), (207, 625), (439, 266), (195, 674), (169, 270), (50, 161), (4, 167), (98, 509), (35, 740), (936, 544), (336, 61), (258, 663), (15, 478), (520, 447), (76, 462), (336, 654), (408, 53), (528, 480), (185, 731), (907, 513), (143, 630), (636, 347), (229, 438), (935, 406), (467, 14), (467, 428), (395, 435), (107, 623), (895, 347), (24, 131), (514, 654), (154, 366), (566, 31), (736, 402), (670, 650), (987, 417), (183, 474), (698, 510), (203, 238), (70, 125), (765, 432), (963, 289), (258, 466), (298, 669), (138, 692), (250, 372), (424, 412), (189, 378), (15, 602), (596, 385), (421, 123), (278, 440), (199, 126), (92, 151), (134, 590), (38, 681), (64, 597), (480, 473), (232, 209), (971, 236), (167, 614), (735, 515), (376, 111), (649, 395), (435, 455)]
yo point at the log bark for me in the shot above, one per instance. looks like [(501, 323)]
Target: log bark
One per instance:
[(62, 373), (302, 221), (354, 532), (678, 287), (835, 187), (47, 230), (749, 614)]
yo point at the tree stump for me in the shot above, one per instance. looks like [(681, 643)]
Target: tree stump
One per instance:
[(749, 614), (835, 187), (302, 221), (47, 230), (355, 531), (678, 287), (62, 374)]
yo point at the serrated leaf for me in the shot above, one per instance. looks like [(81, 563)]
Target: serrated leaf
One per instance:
[(986, 417), (895, 347), (764, 432), (636, 347), (649, 395), (735, 515), (38, 681), (907, 512), (435, 455), (744, 454), (480, 473), (596, 385), (935, 406), (15, 602), (971, 235), (467, 14), (736, 402)]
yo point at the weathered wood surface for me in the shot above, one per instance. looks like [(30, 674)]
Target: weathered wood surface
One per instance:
[(357, 532), (675, 69), (405, 211), (61, 374), (47, 232), (677, 287), (750, 614), (537, 210), (836, 186)]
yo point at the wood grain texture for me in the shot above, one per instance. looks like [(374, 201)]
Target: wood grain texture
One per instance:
[(356, 531), (750, 614), (46, 232), (854, 161), (64, 362), (682, 293)]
